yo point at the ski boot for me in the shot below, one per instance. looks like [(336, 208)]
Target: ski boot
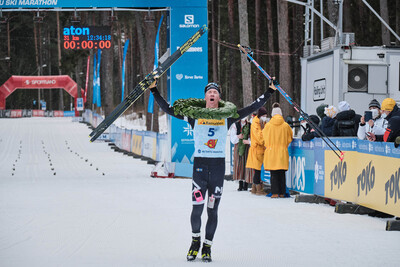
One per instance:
[(206, 251), (194, 248)]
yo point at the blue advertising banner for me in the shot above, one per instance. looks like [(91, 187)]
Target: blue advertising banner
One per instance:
[(188, 77), (301, 167), (79, 104), (96, 3)]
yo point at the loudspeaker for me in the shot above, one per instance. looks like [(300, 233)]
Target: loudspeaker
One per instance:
[(357, 78)]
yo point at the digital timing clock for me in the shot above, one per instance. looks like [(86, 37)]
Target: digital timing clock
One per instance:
[(87, 37)]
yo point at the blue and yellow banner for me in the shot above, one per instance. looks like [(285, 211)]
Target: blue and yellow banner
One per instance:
[(368, 175)]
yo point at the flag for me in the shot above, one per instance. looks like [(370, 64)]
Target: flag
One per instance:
[(94, 101), (84, 94), (150, 106), (123, 68), (98, 94)]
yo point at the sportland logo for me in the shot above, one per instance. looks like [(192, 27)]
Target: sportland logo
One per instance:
[(40, 82), (189, 22)]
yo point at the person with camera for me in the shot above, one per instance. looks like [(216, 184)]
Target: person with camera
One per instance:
[(391, 112), (372, 121)]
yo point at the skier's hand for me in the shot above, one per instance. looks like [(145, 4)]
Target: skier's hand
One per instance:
[(153, 85), (273, 83)]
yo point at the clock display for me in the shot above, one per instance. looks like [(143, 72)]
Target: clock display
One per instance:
[(87, 37)]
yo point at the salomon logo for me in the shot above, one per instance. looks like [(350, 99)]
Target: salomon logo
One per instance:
[(189, 19)]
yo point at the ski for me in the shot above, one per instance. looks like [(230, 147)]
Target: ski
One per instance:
[(247, 51), (144, 85)]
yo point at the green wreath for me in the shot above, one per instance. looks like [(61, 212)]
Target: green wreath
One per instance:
[(196, 108)]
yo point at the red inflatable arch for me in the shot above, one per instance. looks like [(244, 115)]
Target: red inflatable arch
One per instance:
[(37, 82)]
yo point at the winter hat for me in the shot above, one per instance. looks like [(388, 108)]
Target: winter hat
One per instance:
[(374, 103), (331, 111), (276, 111), (314, 119), (388, 104), (212, 86), (343, 106), (320, 110), (261, 111)]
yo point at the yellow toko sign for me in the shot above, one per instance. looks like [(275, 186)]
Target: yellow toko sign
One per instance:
[(368, 180)]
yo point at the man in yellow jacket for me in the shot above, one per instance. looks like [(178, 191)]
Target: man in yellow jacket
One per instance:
[(256, 151), (277, 136)]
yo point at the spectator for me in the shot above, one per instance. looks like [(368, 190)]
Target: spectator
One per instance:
[(256, 152), (376, 125), (321, 111), (309, 132), (347, 121), (277, 136), (329, 120), (240, 136), (391, 112)]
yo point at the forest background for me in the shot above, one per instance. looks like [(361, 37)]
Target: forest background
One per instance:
[(273, 28)]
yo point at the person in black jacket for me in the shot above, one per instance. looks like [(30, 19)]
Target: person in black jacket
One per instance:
[(347, 121), (329, 120), (309, 132), (321, 111), (391, 111)]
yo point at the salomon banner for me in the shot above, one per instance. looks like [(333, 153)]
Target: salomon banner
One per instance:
[(188, 77)]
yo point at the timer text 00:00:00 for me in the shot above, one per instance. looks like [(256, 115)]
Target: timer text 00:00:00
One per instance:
[(87, 44)]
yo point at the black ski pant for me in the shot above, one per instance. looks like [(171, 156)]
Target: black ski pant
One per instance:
[(278, 182), (208, 177), (257, 177)]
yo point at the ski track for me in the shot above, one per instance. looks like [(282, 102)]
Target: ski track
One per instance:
[(80, 217)]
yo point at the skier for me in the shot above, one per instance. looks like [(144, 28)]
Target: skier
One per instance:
[(209, 161)]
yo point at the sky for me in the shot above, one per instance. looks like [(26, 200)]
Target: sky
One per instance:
[(67, 202)]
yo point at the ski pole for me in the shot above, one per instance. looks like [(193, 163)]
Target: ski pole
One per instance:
[(330, 144)]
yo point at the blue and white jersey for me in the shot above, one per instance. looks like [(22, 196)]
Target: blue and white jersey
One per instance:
[(210, 138)]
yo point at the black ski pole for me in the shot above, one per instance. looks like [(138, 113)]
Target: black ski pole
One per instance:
[(330, 144)]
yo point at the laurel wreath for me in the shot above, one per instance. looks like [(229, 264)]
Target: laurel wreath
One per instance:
[(196, 108)]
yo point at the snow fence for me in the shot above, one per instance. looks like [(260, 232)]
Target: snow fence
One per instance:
[(148, 144)]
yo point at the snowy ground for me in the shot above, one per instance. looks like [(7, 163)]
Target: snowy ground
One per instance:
[(76, 216)]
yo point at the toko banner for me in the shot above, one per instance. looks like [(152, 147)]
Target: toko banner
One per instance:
[(369, 174)]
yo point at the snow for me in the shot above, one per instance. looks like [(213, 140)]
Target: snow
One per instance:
[(80, 217)]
